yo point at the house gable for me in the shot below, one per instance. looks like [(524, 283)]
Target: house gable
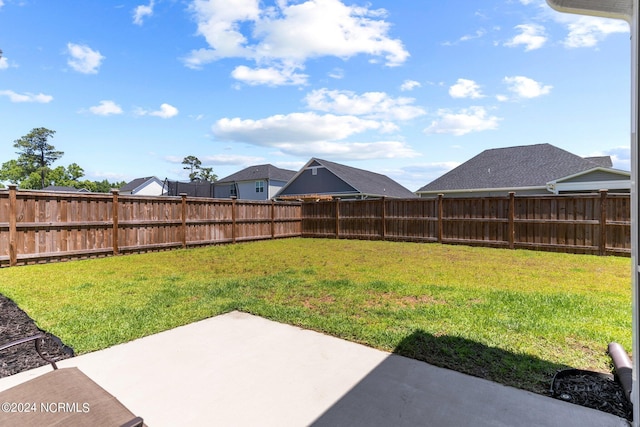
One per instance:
[(321, 177), (149, 186), (595, 179), (316, 179)]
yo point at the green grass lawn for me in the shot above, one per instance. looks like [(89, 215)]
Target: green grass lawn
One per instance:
[(514, 317)]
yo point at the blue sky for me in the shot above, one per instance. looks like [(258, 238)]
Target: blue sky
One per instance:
[(406, 88)]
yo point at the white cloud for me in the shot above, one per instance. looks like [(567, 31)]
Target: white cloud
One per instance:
[(409, 85), (370, 104), (140, 12), (342, 150), (221, 159), (231, 159), (525, 87), (4, 63), (532, 36), (336, 73), (478, 34), (166, 112), (423, 173), (84, 59), (308, 134), (294, 127), (270, 76), (465, 88), (321, 28), (620, 157), (474, 119), (106, 108), (26, 97), (587, 31)]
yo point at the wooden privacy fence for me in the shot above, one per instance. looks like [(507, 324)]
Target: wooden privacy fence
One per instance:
[(41, 226), (589, 223)]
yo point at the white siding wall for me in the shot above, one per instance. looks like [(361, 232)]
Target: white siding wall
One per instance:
[(151, 189)]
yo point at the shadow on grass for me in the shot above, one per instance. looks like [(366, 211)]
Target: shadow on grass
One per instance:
[(473, 358), (405, 391)]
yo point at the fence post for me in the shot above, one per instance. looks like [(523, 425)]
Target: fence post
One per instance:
[(384, 218), (13, 231), (440, 213), (273, 219), (603, 223), (184, 220), (337, 218), (233, 219), (512, 227), (114, 216)]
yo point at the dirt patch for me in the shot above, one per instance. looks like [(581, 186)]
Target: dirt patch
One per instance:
[(16, 324), (316, 303), (386, 299)]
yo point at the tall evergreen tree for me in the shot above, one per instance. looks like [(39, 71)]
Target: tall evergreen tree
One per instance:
[(35, 153)]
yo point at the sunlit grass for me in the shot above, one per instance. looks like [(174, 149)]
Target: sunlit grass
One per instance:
[(509, 316)]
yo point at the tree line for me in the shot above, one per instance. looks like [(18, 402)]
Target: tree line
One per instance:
[(32, 169)]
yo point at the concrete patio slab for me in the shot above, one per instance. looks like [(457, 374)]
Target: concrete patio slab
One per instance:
[(241, 370)]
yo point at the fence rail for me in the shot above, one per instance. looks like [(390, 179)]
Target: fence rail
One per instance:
[(591, 224), (42, 226)]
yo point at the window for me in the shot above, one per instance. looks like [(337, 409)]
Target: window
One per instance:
[(232, 191), (259, 186)]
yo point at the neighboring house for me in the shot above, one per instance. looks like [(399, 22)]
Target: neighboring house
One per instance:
[(260, 182), (149, 186), (321, 179), (64, 189), (530, 169)]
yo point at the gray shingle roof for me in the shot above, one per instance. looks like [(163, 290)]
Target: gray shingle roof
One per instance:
[(267, 171), (604, 161), (514, 167), (132, 185), (366, 182)]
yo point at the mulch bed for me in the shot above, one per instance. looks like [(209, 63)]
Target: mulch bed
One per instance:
[(593, 390), (14, 325), (599, 392)]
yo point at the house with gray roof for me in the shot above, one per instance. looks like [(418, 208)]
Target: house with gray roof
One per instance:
[(323, 179), (530, 169), (260, 182), (147, 186)]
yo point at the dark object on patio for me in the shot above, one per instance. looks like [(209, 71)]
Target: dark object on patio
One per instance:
[(592, 389), (61, 397)]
